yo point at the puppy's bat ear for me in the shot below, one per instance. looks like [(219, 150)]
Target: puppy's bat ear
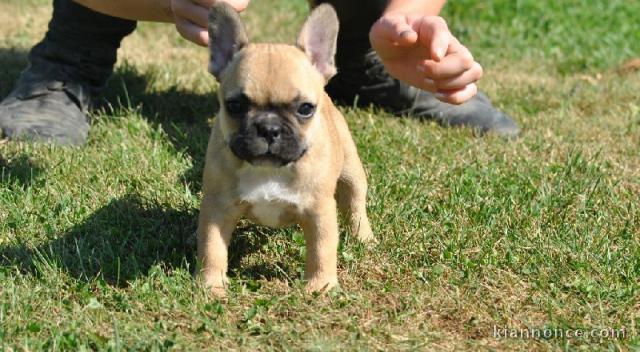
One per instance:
[(318, 39), (227, 36)]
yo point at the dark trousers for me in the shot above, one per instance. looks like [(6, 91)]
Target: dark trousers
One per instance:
[(82, 43), (356, 19)]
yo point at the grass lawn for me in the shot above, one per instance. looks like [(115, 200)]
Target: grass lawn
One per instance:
[(475, 234)]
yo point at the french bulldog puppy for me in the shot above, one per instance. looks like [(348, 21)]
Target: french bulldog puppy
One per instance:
[(280, 153)]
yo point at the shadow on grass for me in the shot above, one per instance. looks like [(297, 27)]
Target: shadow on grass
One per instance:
[(118, 242), (183, 115), (12, 62), (14, 168), (18, 169), (246, 240), (173, 104), (124, 239)]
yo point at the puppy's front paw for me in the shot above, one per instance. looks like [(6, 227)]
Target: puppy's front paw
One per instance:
[(321, 284), (218, 292), (216, 285)]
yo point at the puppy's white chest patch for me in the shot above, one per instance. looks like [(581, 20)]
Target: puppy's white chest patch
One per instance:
[(270, 196)]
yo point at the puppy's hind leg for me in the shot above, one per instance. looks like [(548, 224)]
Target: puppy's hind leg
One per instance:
[(351, 195)]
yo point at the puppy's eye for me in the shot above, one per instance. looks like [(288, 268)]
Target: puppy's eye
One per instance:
[(236, 106), (306, 110)]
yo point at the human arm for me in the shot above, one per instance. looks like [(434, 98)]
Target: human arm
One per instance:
[(189, 16)]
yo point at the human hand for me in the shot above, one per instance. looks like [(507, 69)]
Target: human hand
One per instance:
[(191, 17), (421, 51)]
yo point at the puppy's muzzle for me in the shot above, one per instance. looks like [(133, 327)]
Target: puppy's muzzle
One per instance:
[(269, 130), (268, 139)]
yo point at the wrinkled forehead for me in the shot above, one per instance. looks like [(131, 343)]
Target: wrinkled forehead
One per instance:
[(273, 74)]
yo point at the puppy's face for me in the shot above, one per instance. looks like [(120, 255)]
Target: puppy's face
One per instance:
[(271, 94), (270, 97)]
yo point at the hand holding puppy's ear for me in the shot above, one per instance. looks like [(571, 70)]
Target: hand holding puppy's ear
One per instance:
[(318, 39), (227, 36)]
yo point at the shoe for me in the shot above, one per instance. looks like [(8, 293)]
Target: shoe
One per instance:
[(45, 109), (364, 82)]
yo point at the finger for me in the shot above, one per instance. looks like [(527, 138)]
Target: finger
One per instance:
[(450, 66), (195, 13), (395, 29), (470, 76), (458, 96), (192, 32), (434, 34)]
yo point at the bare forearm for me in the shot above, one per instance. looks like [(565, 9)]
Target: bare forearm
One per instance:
[(418, 7), (158, 10)]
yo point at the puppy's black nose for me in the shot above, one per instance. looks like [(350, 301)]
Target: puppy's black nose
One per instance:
[(269, 131)]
